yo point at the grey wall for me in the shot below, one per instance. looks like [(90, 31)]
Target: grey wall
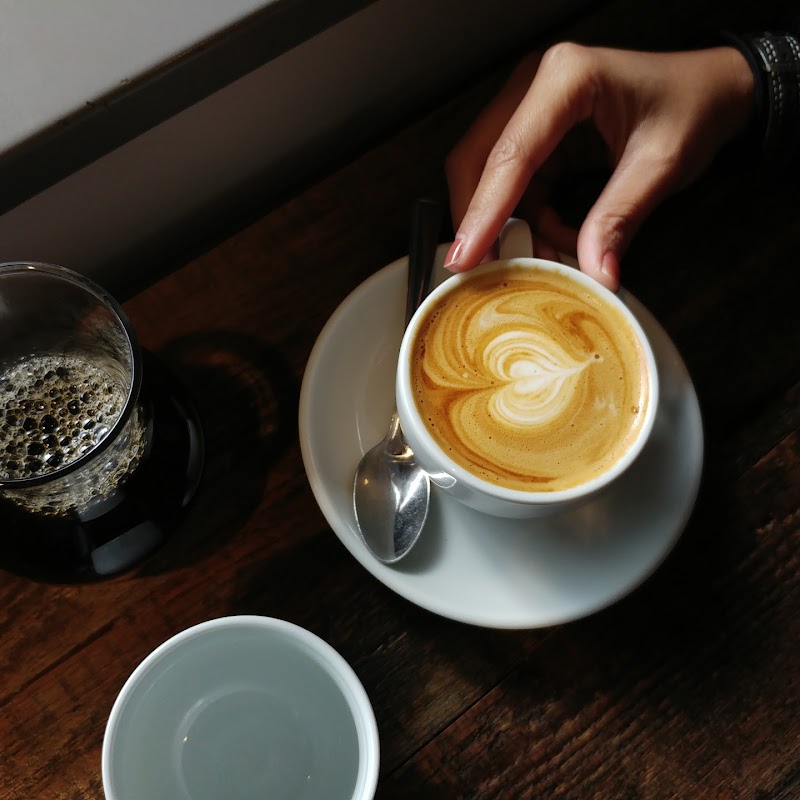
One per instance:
[(375, 65)]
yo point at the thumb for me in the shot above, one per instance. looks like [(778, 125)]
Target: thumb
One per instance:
[(636, 187)]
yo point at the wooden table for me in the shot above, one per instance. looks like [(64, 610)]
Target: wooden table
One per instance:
[(689, 687)]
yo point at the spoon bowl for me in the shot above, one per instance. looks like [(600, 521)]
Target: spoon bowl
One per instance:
[(391, 495)]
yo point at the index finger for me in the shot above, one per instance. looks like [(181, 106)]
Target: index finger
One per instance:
[(465, 162), (560, 96)]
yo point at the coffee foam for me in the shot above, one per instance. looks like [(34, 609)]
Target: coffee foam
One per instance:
[(529, 380)]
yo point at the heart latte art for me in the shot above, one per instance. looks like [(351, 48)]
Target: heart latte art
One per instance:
[(529, 380)]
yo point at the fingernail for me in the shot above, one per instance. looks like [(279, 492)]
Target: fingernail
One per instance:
[(608, 265), (451, 259)]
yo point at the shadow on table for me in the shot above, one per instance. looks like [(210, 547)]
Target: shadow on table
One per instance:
[(246, 397), (709, 620)]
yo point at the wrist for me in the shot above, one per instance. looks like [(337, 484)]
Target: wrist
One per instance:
[(774, 63), (728, 90)]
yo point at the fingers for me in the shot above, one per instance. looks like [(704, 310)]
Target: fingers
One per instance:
[(548, 226), (661, 116), (543, 249), (643, 177), (466, 161), (556, 101)]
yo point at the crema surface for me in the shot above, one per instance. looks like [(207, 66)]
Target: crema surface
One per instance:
[(528, 380)]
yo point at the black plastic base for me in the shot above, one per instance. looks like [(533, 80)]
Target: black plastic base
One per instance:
[(135, 520)]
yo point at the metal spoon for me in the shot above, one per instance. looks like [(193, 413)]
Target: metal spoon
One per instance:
[(391, 492)]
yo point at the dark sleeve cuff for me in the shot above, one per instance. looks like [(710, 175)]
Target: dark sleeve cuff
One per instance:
[(774, 59)]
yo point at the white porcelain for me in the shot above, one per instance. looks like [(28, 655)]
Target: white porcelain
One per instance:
[(467, 566), (242, 708), (467, 487)]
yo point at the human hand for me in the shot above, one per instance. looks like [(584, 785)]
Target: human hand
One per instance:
[(662, 117)]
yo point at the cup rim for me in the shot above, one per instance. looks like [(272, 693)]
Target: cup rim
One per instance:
[(88, 285), (407, 407), (327, 657)]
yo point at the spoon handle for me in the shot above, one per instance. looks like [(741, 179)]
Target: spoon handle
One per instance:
[(425, 225)]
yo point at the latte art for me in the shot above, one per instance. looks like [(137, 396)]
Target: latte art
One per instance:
[(529, 380), (537, 377)]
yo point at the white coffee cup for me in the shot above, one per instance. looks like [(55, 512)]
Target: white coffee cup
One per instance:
[(465, 485), (242, 707)]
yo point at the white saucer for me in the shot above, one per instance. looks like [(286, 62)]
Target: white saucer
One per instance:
[(467, 566)]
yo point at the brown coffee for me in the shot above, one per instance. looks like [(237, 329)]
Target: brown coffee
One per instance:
[(529, 380)]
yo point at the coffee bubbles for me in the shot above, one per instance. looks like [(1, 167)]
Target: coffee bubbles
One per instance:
[(53, 411), (528, 380)]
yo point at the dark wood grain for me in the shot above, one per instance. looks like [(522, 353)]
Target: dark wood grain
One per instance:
[(689, 687)]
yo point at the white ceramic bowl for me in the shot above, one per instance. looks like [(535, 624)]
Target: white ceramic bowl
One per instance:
[(242, 708)]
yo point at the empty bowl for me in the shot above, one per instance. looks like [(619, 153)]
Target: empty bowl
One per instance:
[(242, 708)]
